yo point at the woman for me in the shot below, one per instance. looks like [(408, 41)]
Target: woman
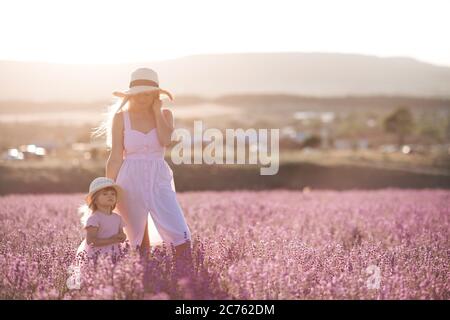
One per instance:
[(138, 136)]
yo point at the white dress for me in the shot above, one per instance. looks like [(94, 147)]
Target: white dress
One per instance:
[(149, 191)]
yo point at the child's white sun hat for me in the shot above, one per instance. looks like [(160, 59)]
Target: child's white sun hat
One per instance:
[(142, 79), (101, 183)]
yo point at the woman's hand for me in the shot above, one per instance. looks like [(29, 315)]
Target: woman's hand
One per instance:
[(121, 237), (164, 122), (157, 104)]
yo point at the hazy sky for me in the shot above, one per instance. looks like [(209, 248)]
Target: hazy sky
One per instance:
[(133, 31)]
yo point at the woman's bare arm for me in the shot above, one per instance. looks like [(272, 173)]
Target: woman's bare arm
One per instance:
[(164, 123), (115, 158)]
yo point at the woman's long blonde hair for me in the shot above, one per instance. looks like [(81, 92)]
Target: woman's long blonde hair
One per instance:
[(105, 128)]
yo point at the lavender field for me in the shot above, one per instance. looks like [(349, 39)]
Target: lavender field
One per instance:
[(384, 244)]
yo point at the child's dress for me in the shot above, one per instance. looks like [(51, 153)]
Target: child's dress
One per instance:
[(108, 226), (149, 191)]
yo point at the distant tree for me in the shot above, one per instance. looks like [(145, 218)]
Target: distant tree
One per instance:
[(447, 129), (95, 154), (400, 122), (313, 141)]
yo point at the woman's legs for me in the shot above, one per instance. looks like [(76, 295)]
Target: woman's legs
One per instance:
[(182, 248), (183, 259), (145, 244), (170, 222), (144, 251)]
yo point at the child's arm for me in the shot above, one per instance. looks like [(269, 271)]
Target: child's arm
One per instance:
[(91, 238)]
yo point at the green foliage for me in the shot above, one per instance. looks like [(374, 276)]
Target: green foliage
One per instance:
[(400, 122), (312, 142)]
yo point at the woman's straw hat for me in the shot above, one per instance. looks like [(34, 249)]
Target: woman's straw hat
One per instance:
[(142, 79), (101, 183)]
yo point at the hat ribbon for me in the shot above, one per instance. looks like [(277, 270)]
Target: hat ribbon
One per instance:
[(143, 82)]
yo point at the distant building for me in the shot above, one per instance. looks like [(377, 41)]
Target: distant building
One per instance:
[(362, 144), (342, 144), (25, 152)]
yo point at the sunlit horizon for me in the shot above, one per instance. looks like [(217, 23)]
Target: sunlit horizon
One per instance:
[(62, 62), (114, 32)]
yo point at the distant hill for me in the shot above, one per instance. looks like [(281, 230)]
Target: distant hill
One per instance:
[(280, 102), (214, 75)]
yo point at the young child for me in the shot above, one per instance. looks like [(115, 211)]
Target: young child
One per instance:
[(104, 227)]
